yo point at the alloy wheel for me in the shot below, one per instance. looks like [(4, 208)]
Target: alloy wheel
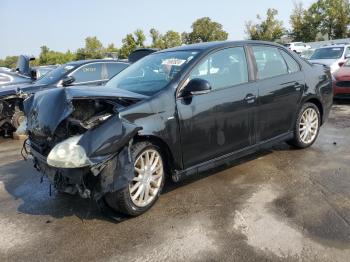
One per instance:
[(148, 178), (308, 126)]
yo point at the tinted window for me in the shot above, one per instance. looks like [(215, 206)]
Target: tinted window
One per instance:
[(328, 53), (293, 66), (115, 68), (224, 68), (269, 61), (90, 72)]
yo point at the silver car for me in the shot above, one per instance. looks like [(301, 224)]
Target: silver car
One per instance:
[(333, 56)]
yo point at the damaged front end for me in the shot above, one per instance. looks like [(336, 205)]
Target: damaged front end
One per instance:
[(77, 139), (11, 112)]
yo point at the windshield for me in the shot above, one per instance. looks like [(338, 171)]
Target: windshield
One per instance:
[(55, 75), (152, 73), (328, 53)]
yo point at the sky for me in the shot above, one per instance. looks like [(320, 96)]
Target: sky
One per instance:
[(64, 24)]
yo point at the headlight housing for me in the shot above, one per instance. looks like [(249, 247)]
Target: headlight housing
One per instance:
[(68, 154)]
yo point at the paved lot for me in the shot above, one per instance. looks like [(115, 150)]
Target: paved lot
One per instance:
[(276, 205)]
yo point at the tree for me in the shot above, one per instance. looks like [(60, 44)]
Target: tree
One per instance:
[(269, 29), (157, 41), (171, 39), (333, 17), (93, 48), (168, 40), (43, 55), (132, 42), (304, 24), (9, 61), (205, 30)]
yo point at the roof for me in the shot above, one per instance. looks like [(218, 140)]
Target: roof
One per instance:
[(82, 62), (215, 45)]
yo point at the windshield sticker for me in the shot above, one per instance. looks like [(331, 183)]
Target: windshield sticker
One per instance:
[(173, 62), (336, 49), (68, 67)]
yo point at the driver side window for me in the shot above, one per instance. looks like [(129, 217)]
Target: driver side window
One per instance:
[(224, 68)]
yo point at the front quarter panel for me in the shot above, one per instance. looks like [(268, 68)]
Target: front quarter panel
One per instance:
[(157, 117)]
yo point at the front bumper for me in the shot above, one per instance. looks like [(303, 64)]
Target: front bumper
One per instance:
[(112, 174)]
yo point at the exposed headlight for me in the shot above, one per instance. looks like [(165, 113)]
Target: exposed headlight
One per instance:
[(68, 154)]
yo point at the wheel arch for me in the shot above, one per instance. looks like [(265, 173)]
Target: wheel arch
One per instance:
[(319, 105), (165, 149)]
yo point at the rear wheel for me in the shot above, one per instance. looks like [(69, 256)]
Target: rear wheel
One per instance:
[(307, 126), (144, 190)]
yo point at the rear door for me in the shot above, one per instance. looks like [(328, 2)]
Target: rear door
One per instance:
[(221, 121), (89, 74), (281, 83)]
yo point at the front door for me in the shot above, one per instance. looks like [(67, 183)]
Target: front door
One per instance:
[(221, 121)]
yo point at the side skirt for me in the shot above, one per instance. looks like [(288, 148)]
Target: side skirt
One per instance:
[(179, 175)]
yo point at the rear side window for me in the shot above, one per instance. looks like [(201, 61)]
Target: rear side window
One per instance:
[(86, 73), (269, 61), (115, 68), (293, 66), (223, 69)]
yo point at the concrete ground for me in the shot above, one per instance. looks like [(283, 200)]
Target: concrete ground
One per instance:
[(277, 205)]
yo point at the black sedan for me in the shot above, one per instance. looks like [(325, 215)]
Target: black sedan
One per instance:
[(173, 114), (85, 72)]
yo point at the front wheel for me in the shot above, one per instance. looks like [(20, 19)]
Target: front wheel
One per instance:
[(147, 184), (307, 126)]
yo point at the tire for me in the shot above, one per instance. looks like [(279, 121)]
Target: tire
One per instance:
[(17, 118), (301, 139), (122, 201)]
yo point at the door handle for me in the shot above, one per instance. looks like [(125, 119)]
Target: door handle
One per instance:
[(250, 98)]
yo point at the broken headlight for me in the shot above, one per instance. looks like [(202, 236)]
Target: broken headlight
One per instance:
[(68, 154)]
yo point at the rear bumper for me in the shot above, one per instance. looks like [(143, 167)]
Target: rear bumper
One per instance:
[(341, 92)]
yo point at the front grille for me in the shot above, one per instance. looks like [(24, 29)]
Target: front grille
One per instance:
[(343, 84)]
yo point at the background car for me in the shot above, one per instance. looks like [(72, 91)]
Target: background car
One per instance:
[(2, 68), (173, 114), (85, 72), (40, 71), (297, 47), (22, 74), (333, 56), (341, 81), (307, 53)]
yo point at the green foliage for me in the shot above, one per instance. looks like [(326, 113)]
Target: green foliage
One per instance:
[(269, 29), (333, 16), (168, 40), (9, 61), (325, 17), (304, 24), (93, 48), (131, 42), (205, 30)]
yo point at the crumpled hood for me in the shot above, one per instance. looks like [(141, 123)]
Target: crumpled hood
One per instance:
[(47, 109)]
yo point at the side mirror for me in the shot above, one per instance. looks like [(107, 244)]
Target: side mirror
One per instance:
[(347, 56), (196, 86), (68, 80)]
